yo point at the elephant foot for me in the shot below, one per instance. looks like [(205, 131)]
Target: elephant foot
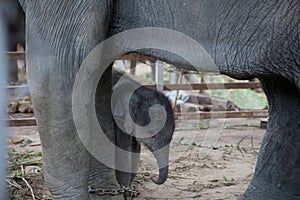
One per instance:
[(66, 191), (264, 193)]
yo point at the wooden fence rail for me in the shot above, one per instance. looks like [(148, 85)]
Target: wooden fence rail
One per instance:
[(183, 116), (223, 114), (201, 86), (210, 86), (12, 55), (167, 87)]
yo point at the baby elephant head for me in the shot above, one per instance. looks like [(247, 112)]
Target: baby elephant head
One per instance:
[(148, 118), (154, 126)]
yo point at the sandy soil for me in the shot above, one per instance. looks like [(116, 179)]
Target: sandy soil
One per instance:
[(217, 170), (208, 160)]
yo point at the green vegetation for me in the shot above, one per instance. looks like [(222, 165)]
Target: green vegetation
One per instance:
[(243, 98), (25, 180), (247, 99)]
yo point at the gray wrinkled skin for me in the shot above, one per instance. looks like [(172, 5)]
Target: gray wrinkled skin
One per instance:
[(245, 39)]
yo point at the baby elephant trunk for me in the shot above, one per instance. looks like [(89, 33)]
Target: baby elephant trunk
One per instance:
[(162, 157)]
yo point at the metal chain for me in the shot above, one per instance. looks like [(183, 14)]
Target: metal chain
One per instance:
[(131, 192)]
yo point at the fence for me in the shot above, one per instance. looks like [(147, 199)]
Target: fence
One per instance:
[(141, 58)]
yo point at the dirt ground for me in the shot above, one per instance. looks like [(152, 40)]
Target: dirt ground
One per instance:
[(208, 160), (220, 169)]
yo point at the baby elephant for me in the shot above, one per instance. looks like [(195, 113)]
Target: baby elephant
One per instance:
[(142, 115)]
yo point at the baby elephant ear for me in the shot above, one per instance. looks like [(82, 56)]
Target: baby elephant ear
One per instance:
[(118, 110), (129, 125), (122, 118)]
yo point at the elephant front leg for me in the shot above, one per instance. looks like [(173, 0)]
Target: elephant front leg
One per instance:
[(277, 173), (69, 169), (64, 157)]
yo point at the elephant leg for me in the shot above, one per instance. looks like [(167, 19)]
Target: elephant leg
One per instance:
[(12, 71), (101, 176), (127, 143), (54, 52), (68, 167), (277, 173), (64, 157), (12, 64), (126, 163), (136, 148)]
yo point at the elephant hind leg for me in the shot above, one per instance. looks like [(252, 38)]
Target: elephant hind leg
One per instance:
[(277, 173)]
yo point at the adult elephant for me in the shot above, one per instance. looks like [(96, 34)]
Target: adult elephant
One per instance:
[(245, 39), (14, 23)]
